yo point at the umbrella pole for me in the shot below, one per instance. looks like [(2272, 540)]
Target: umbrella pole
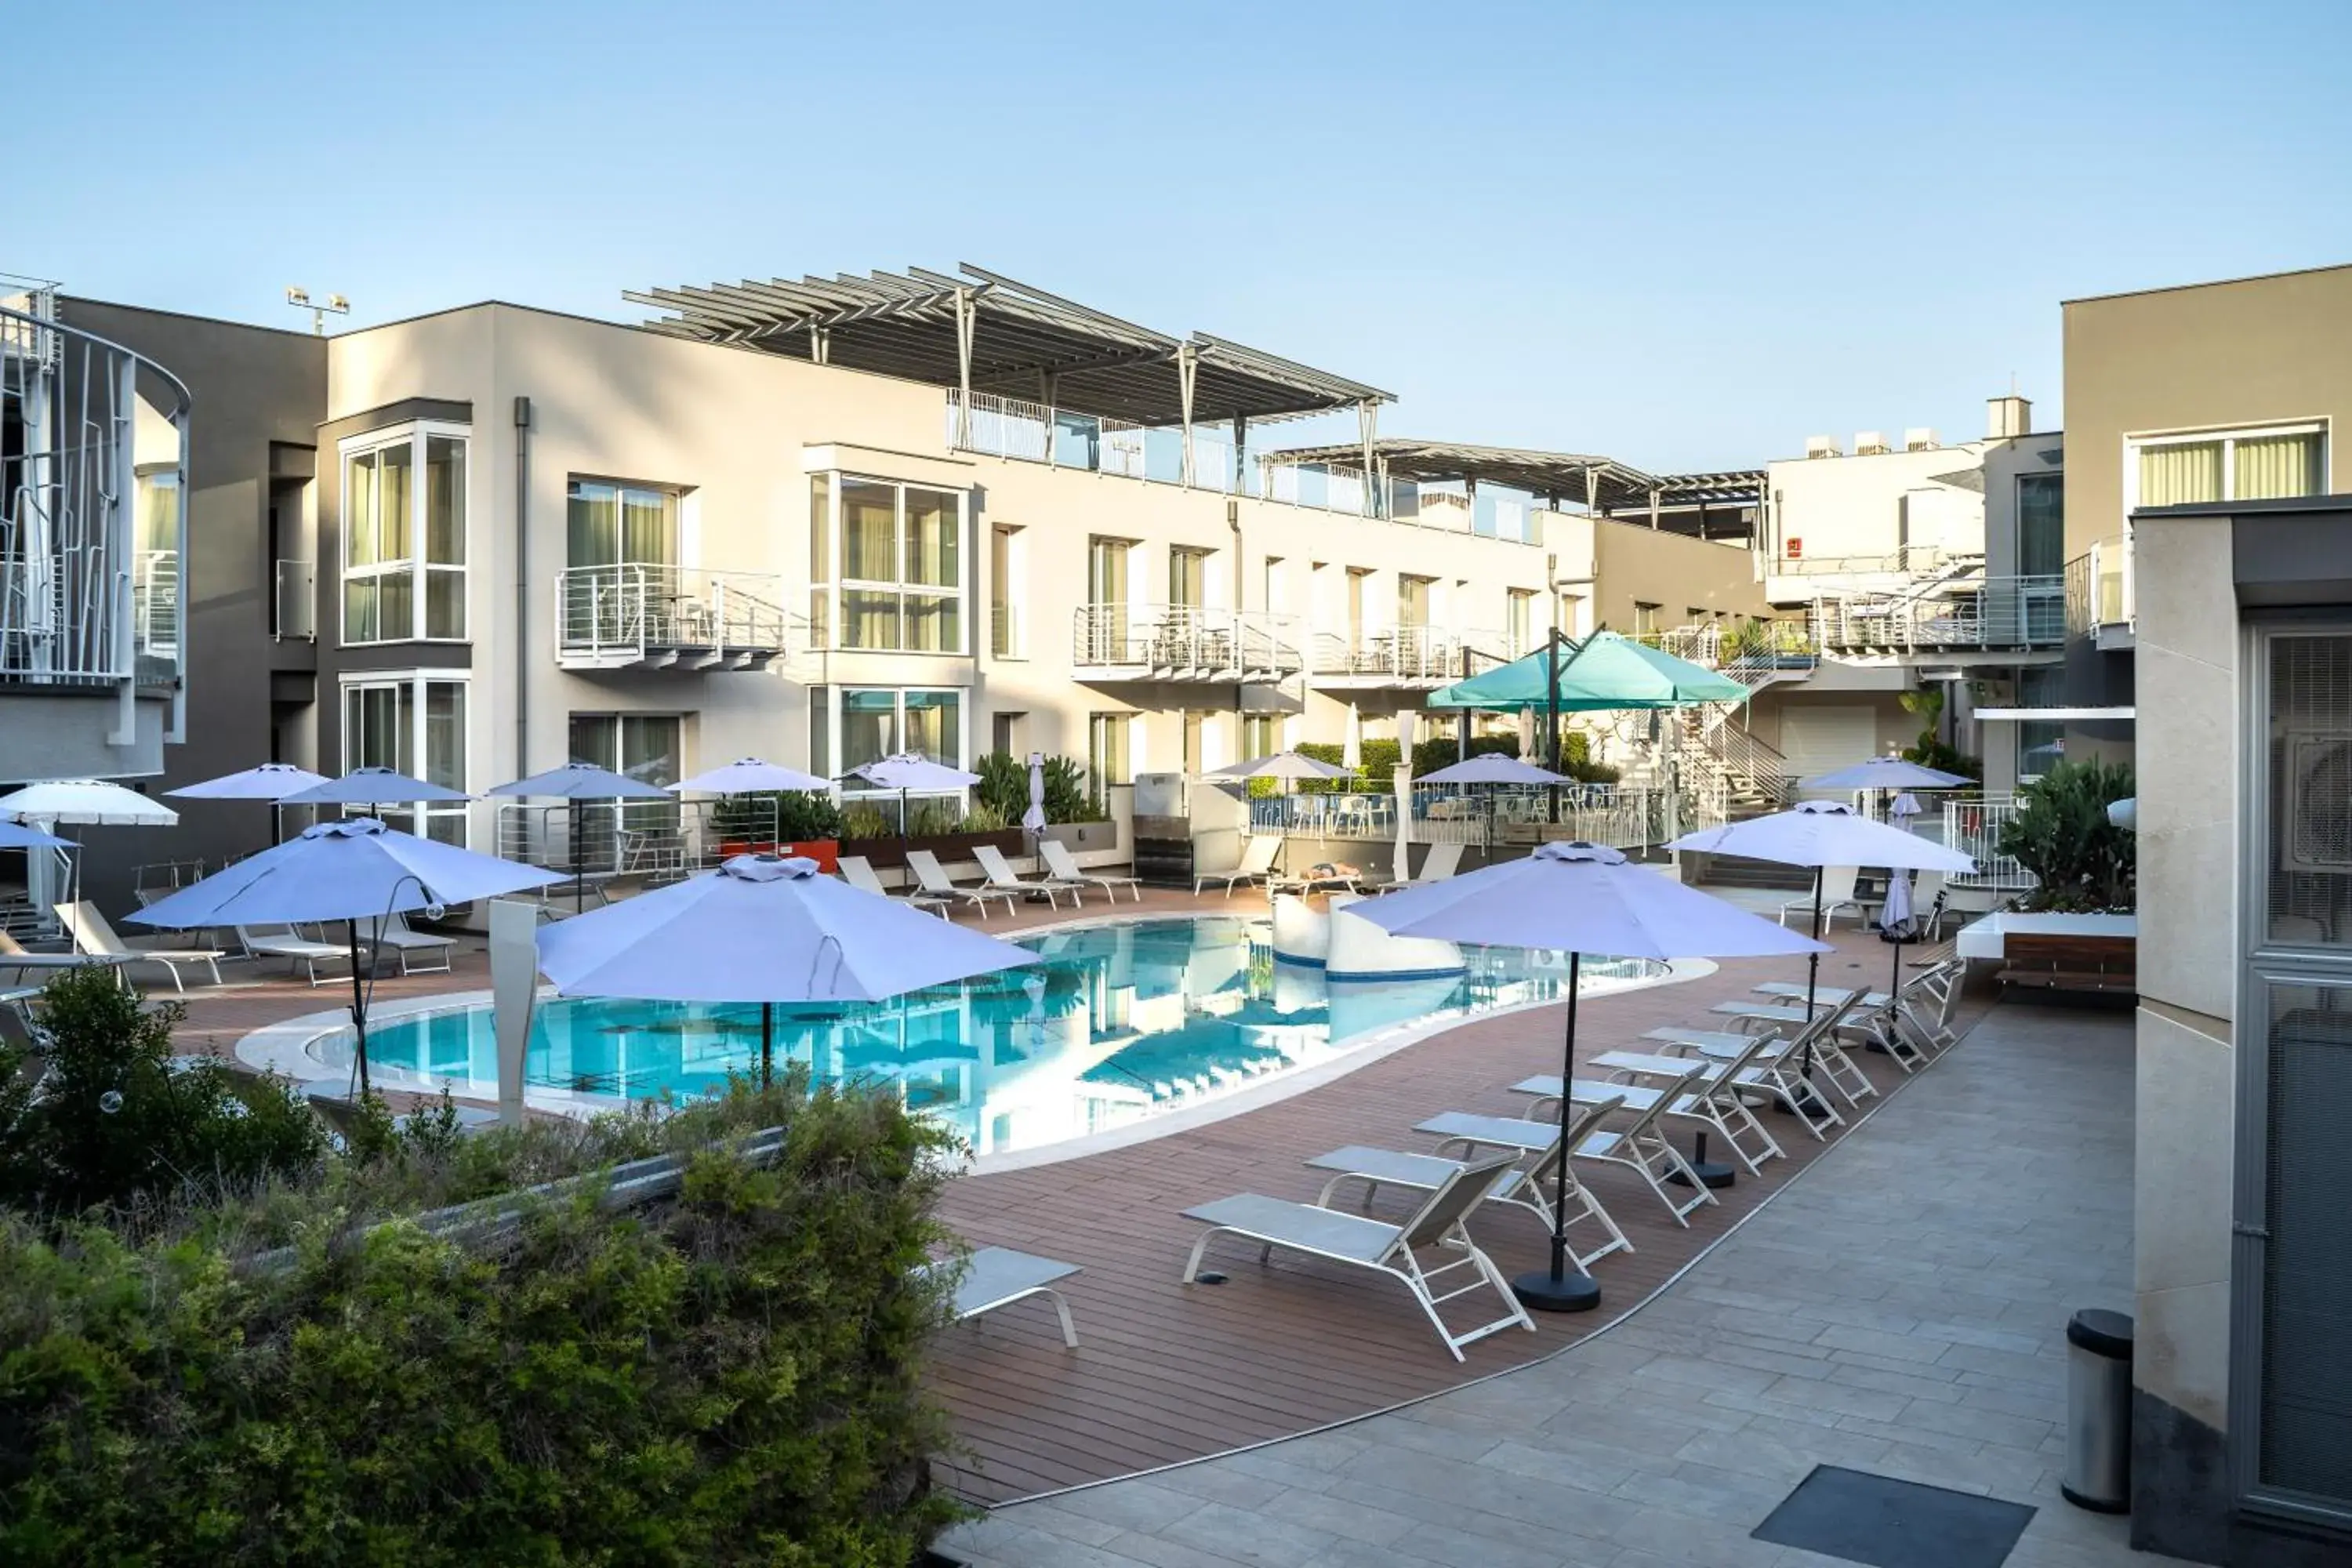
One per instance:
[(359, 1004), (1560, 1289), (767, 1042)]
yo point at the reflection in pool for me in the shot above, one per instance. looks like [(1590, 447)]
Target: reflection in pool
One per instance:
[(1118, 1021)]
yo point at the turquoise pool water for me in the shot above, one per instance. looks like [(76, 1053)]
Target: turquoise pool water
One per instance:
[(1118, 1021)]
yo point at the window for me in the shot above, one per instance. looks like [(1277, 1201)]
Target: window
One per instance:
[(1191, 759), (404, 542), (2249, 465), (1519, 620), (1008, 570), (850, 726), (1413, 600), (412, 724), (155, 565), (2041, 525), (1356, 575), (648, 747), (885, 565), (1187, 571), (1646, 618), (1107, 753), (1008, 733), (1274, 584), (2040, 746), (614, 524), (1261, 735)]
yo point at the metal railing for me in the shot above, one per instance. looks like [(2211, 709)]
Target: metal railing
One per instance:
[(598, 838), (1004, 639), (643, 613), (1981, 612), (1908, 560), (1973, 827), (2099, 588), (79, 604), (1030, 432), (1625, 817), (1415, 654), (1186, 641), (294, 603)]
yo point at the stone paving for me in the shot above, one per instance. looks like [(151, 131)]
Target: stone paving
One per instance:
[(1900, 1309)]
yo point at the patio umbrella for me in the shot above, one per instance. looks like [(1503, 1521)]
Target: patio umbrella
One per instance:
[(1577, 898), (1604, 671), (1494, 768), (1527, 735), (749, 775), (2124, 813), (578, 781), (1903, 808), (909, 771), (84, 803), (1822, 832), (1885, 774), (349, 869), (1287, 766), (16, 836), (272, 782), (768, 930), (1402, 867), (1034, 819), (1895, 923)]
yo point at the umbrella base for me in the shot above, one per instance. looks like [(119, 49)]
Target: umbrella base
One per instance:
[(1711, 1173), (1574, 1292)]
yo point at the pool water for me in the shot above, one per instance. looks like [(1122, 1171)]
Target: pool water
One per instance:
[(1118, 1021)]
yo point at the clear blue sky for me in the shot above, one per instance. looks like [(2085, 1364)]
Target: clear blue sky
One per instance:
[(1684, 234)]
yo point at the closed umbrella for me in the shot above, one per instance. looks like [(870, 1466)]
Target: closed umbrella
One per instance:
[(351, 869), (1527, 735), (1034, 819), (1894, 923), (768, 930), (581, 782), (1577, 898), (1403, 864)]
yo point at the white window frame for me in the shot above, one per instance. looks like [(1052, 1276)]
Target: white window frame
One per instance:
[(2229, 436), (834, 583), (829, 706), (415, 434), (415, 818)]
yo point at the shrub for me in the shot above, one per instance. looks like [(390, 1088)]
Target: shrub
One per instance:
[(2080, 860), (982, 818), (863, 820), (1004, 788), (729, 1375), (1434, 752), (1930, 750)]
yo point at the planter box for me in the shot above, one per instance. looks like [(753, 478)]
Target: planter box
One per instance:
[(825, 852), (951, 847)]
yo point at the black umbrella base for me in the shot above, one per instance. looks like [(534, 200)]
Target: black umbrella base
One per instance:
[(1711, 1173), (1577, 1292)]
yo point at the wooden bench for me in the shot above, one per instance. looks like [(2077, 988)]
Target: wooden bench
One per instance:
[(2103, 964)]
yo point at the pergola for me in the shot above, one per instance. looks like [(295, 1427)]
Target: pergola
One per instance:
[(1602, 486), (978, 330)]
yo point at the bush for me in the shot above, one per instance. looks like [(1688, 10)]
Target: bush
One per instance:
[(863, 820), (790, 816), (2082, 862), (102, 1118), (1004, 788), (1433, 753), (730, 1375)]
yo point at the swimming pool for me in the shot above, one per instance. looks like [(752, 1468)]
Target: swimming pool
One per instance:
[(1118, 1023)]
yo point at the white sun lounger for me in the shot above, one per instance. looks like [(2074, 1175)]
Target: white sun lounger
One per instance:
[(93, 936), (17, 960), (1065, 868), (932, 878), (1391, 1249), (261, 942), (858, 873), (1003, 878), (1444, 860), (998, 1277), (1523, 1187), (397, 936), (1640, 1148), (1256, 865), (1712, 1095)]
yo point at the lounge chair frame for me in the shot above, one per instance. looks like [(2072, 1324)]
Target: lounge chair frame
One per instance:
[(1065, 867), (92, 935), (932, 878), (1001, 878), (1257, 866)]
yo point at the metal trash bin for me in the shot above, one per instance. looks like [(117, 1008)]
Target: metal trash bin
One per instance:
[(2098, 1412)]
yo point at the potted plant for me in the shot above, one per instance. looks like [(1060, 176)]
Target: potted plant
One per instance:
[(2081, 863), (791, 822)]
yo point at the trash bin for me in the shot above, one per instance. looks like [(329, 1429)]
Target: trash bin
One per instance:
[(2098, 1412)]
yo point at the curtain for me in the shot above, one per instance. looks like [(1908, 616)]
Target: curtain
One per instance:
[(395, 467), (934, 623), (2271, 466), (869, 618), (444, 501), (933, 728), (649, 527), (2179, 472), (868, 522), (933, 557), (359, 510), (2042, 525), (592, 525), (870, 727)]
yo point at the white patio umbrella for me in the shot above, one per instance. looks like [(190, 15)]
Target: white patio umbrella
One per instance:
[(1494, 768), (1903, 808), (578, 781), (768, 930), (911, 770), (82, 803), (1884, 775), (2124, 813), (16, 836), (1289, 767), (350, 870), (1817, 834), (749, 775), (373, 786), (1034, 819), (1577, 898), (271, 781)]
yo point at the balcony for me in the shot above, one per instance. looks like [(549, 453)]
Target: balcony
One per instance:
[(641, 616), (1409, 658), (1975, 615), (1183, 643), (2099, 593)]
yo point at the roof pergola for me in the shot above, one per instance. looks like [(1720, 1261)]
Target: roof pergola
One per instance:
[(1599, 483), (1728, 487), (980, 332)]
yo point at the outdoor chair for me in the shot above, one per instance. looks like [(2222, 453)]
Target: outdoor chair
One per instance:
[(1444, 860), (997, 1277), (1639, 1147), (1709, 1097), (14, 959), (1003, 878), (261, 942), (1837, 893), (1821, 1027), (1777, 1067), (1391, 1249), (932, 878), (1522, 1188), (92, 935), (1065, 869), (858, 873), (394, 935), (1257, 866)]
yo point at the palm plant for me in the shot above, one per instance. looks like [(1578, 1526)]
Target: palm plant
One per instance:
[(2082, 861)]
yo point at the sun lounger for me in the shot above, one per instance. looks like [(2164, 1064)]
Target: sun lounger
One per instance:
[(397, 936), (261, 942), (1711, 1097), (18, 961), (1639, 1147), (998, 1277), (1522, 1188), (858, 873), (1391, 1249), (932, 878), (1256, 865), (92, 935), (1003, 878), (1065, 868), (1444, 860), (1779, 1064)]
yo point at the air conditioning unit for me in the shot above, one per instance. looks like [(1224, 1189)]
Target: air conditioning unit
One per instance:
[(1869, 443), (1821, 446), (1919, 439), (2317, 791)]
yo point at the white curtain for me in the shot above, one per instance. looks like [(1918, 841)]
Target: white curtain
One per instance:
[(2272, 465)]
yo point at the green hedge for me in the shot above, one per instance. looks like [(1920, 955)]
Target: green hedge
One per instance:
[(1432, 753), (731, 1375)]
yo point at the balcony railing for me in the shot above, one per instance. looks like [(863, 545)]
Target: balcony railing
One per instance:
[(294, 604), (1185, 642), (1620, 816), (1395, 655), (155, 605), (1973, 827), (657, 616), (1977, 614), (2099, 589)]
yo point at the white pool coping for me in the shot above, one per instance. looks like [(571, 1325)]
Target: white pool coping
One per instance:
[(294, 1048)]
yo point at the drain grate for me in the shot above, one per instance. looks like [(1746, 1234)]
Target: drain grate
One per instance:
[(1889, 1523)]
